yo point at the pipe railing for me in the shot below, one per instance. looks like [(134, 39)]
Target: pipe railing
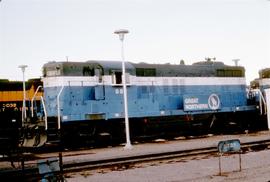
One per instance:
[(262, 101), (43, 105), (58, 108), (45, 112), (32, 100)]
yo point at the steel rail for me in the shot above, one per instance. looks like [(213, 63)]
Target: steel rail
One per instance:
[(154, 157), (32, 172)]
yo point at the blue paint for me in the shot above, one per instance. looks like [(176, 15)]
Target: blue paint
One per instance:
[(77, 101)]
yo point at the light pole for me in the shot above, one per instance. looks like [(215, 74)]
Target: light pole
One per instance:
[(24, 93), (121, 34)]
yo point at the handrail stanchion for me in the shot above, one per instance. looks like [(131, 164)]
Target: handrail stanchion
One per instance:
[(58, 107), (45, 112), (32, 100)]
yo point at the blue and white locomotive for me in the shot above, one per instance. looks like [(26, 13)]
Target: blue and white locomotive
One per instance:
[(261, 91), (85, 99)]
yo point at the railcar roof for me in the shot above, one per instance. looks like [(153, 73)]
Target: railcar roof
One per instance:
[(106, 64), (111, 64), (202, 64), (204, 68)]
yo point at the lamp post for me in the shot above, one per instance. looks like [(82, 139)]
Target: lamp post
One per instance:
[(24, 93), (121, 34)]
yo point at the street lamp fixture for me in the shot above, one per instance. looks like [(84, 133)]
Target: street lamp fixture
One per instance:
[(121, 34), (24, 93)]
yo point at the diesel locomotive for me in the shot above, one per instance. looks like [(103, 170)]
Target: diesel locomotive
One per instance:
[(260, 86), (11, 104), (81, 102), (84, 100)]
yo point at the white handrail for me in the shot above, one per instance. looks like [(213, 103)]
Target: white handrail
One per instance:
[(262, 99), (45, 112), (32, 100), (58, 107)]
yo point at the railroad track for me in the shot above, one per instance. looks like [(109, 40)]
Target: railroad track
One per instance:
[(32, 173), (250, 146)]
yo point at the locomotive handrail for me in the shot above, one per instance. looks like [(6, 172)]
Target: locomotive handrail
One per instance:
[(43, 104), (261, 99), (58, 107), (264, 102), (45, 112), (32, 100)]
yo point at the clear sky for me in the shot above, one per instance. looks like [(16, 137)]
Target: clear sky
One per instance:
[(33, 32)]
